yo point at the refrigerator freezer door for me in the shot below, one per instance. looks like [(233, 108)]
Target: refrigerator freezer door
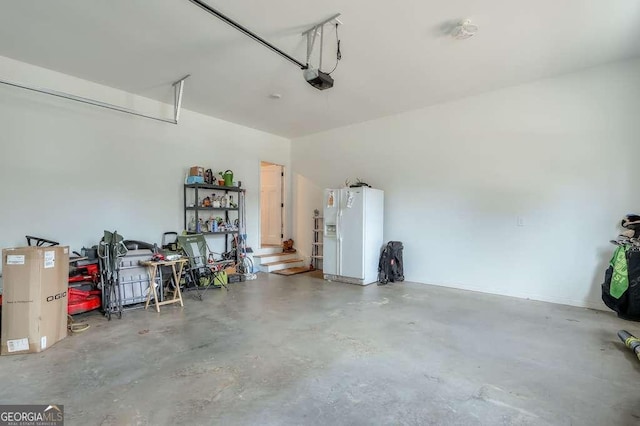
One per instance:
[(331, 209), (351, 233), (330, 256)]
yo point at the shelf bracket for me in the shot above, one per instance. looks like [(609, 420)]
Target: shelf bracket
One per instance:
[(178, 89)]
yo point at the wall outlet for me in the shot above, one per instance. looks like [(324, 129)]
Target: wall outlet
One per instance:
[(519, 221)]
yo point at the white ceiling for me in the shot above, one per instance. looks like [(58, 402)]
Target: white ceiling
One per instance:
[(396, 55)]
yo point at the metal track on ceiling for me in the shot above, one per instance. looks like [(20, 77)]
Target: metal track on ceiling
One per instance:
[(178, 89)]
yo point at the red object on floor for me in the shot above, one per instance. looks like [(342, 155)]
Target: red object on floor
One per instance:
[(85, 273), (80, 301)]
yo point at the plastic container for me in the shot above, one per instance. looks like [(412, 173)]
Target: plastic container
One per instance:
[(194, 179)]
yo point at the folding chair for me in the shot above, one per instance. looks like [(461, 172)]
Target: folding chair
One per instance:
[(200, 272), (110, 250)]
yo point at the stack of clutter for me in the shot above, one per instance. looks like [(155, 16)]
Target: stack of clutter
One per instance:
[(621, 289), (200, 175)]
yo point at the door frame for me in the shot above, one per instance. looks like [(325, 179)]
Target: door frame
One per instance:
[(283, 200)]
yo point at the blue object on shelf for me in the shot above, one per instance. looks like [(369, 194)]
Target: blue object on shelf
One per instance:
[(195, 179)]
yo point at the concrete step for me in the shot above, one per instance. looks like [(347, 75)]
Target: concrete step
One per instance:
[(282, 264), (273, 257), (267, 250)]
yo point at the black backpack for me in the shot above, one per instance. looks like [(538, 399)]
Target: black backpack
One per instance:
[(628, 305), (390, 266)]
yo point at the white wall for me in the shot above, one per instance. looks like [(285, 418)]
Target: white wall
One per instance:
[(559, 153), (68, 170)]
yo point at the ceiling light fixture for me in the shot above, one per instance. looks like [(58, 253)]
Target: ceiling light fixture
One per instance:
[(464, 30)]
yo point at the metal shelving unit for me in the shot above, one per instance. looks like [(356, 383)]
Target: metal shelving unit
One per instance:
[(200, 189), (317, 244)]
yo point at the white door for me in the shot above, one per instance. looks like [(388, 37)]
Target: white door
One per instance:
[(271, 204), (351, 233)]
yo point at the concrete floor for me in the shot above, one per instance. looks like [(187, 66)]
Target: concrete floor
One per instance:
[(297, 350)]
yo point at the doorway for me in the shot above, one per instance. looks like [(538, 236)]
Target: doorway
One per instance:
[(271, 204)]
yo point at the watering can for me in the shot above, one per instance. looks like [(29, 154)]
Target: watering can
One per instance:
[(228, 177)]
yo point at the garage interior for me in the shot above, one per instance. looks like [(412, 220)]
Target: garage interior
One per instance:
[(503, 137)]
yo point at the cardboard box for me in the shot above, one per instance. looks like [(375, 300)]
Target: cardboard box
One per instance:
[(34, 298), (197, 171), (230, 269)]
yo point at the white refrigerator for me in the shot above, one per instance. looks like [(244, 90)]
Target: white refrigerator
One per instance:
[(353, 227)]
